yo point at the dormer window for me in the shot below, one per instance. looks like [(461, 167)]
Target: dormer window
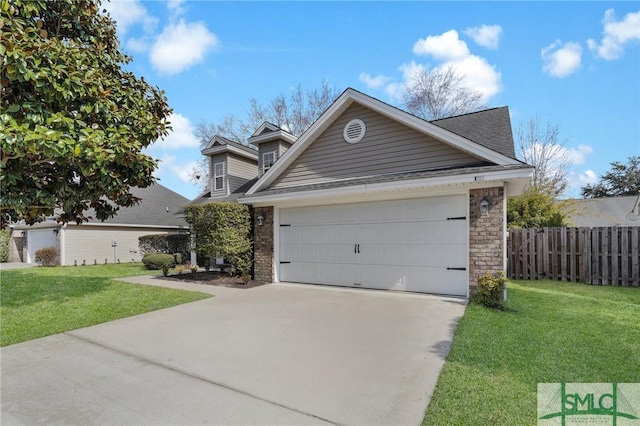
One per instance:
[(218, 176), (268, 158)]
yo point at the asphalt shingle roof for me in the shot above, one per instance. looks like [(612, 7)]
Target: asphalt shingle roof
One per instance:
[(490, 128), (594, 212)]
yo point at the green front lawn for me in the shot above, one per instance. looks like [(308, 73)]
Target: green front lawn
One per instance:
[(552, 332), (38, 302)]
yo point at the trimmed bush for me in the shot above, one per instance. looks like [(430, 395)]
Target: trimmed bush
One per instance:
[(163, 243), (47, 256), (177, 257), (490, 290), (156, 261), (5, 236)]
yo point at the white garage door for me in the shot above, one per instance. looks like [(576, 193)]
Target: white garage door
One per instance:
[(410, 245), (37, 239)]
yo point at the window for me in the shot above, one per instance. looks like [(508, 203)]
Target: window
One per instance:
[(218, 176), (268, 158)]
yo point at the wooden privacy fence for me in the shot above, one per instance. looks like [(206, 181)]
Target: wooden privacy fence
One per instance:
[(607, 255)]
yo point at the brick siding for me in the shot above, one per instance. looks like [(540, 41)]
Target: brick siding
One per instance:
[(263, 245), (486, 234)]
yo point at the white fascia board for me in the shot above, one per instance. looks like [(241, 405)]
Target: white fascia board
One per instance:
[(265, 125), (271, 136), (345, 101), (229, 148), (476, 180), (341, 104), (435, 131), (126, 225)]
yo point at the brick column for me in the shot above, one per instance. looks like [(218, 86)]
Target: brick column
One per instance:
[(263, 245), (486, 234)]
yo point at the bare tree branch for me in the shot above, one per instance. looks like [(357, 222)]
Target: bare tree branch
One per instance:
[(441, 93), (540, 146)]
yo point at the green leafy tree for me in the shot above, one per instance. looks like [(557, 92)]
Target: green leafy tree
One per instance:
[(223, 229), (73, 121), (535, 208), (622, 179)]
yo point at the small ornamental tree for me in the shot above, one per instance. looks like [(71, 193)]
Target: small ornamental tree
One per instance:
[(73, 120), (535, 209), (223, 229)]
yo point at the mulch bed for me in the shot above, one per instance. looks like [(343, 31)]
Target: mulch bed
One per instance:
[(213, 278)]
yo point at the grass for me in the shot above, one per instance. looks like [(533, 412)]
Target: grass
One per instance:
[(38, 302), (551, 332)]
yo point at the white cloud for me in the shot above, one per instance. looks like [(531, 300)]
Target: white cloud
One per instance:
[(182, 134), (561, 60), (616, 34), (444, 47), (486, 35), (128, 13), (374, 82), (169, 166), (587, 177), (479, 75), (181, 45), (579, 155), (410, 72)]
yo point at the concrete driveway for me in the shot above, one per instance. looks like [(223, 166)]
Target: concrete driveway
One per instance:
[(277, 354)]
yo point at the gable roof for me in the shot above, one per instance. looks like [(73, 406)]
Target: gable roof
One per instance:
[(220, 144), (490, 128), (438, 131), (268, 132), (611, 211)]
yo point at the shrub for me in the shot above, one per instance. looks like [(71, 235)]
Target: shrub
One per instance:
[(155, 261), (490, 290), (163, 243), (177, 258), (223, 229), (47, 256), (179, 269), (5, 236), (193, 267)]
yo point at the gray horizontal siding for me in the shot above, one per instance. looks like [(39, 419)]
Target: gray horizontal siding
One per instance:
[(240, 170), (387, 147)]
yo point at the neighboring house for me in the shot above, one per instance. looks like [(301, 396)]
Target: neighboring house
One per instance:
[(373, 197), (114, 240), (612, 211)]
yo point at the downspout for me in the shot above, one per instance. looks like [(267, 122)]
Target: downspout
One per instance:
[(63, 246)]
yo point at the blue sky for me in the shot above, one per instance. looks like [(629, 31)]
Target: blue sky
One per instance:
[(576, 64)]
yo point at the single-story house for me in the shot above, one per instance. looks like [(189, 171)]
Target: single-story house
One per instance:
[(115, 240), (371, 196), (611, 211)]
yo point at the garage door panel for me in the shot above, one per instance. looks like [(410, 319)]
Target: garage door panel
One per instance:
[(436, 280), (394, 245), (382, 277)]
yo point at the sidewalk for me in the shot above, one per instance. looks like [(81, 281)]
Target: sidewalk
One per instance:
[(157, 281)]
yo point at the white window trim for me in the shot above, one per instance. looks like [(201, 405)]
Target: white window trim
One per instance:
[(264, 154), (216, 176)]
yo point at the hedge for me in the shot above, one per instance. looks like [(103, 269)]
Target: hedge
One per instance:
[(163, 243)]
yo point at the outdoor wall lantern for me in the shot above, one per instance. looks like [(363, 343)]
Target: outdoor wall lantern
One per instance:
[(484, 207), (261, 219)]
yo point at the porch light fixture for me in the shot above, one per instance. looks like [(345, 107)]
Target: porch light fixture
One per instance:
[(261, 219), (484, 207)]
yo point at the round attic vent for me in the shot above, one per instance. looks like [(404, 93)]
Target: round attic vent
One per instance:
[(354, 131)]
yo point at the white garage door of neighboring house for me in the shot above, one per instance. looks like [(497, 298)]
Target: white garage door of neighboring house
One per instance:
[(37, 239), (415, 245)]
